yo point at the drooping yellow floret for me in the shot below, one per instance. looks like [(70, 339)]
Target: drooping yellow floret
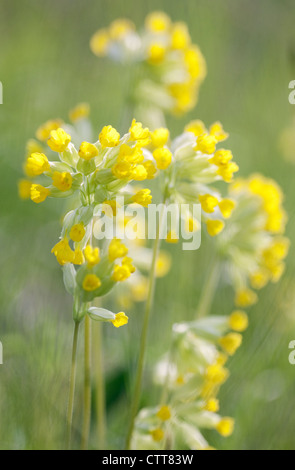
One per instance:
[(91, 283), (39, 193), (109, 137), (245, 297), (160, 137), (143, 197), (117, 249), (238, 321), (36, 164), (92, 255), (206, 144), (226, 207), (63, 252), (139, 134), (164, 413), (231, 342), (62, 181), (163, 158), (225, 427), (120, 320), (77, 232), (44, 131), (208, 203), (214, 227)]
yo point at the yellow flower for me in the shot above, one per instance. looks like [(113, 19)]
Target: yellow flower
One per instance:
[(245, 297), (160, 137), (157, 22), (208, 203), (163, 264), (217, 131), (87, 151), (39, 193), (231, 342), (139, 134), (36, 164), (62, 181), (92, 255), (259, 278), (91, 283), (109, 137), (78, 257), (164, 413), (122, 170), (127, 261), (227, 171), (226, 207), (180, 37), (139, 290), (221, 157), (64, 254), (110, 208), (197, 127), (142, 197), (206, 144), (81, 111), (117, 249), (59, 140), (156, 53), (43, 133), (120, 320), (172, 237), (99, 43), (238, 321), (119, 28), (212, 405), (163, 158), (150, 169), (121, 273), (24, 189), (33, 147), (139, 173), (133, 155), (225, 427), (157, 434), (77, 232), (214, 227)]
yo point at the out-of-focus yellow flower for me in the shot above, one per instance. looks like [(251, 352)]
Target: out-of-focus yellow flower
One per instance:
[(231, 342), (238, 321), (163, 158), (81, 111), (164, 413), (142, 197), (225, 427), (39, 193), (157, 22), (214, 227), (99, 43), (117, 249), (245, 297), (92, 255), (44, 131), (24, 189)]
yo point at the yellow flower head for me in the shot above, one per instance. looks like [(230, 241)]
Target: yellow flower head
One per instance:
[(139, 134), (227, 171), (119, 28), (63, 252), (44, 131), (59, 140), (217, 131), (245, 298), (78, 257), (143, 197), (222, 158), (92, 255), (180, 37), (157, 434), (150, 169), (225, 427), (226, 207), (91, 283), (259, 278), (81, 111), (127, 261), (231, 342), (208, 203), (24, 189), (160, 137), (109, 137), (238, 321), (99, 43), (87, 151), (212, 405), (121, 273), (36, 164), (117, 249), (120, 320), (206, 144), (214, 227), (164, 413), (62, 181), (77, 232), (39, 193), (132, 155), (139, 173), (163, 264), (157, 22), (156, 53), (123, 170), (163, 158), (196, 127)]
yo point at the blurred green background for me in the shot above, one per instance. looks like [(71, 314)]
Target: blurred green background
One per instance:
[(46, 67)]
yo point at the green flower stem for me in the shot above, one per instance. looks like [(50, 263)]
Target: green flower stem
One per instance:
[(99, 384), (144, 335), (209, 289), (72, 386), (87, 385)]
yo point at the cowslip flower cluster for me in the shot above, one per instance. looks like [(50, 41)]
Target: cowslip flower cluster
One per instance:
[(192, 373), (193, 164), (93, 175), (253, 244), (173, 68)]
